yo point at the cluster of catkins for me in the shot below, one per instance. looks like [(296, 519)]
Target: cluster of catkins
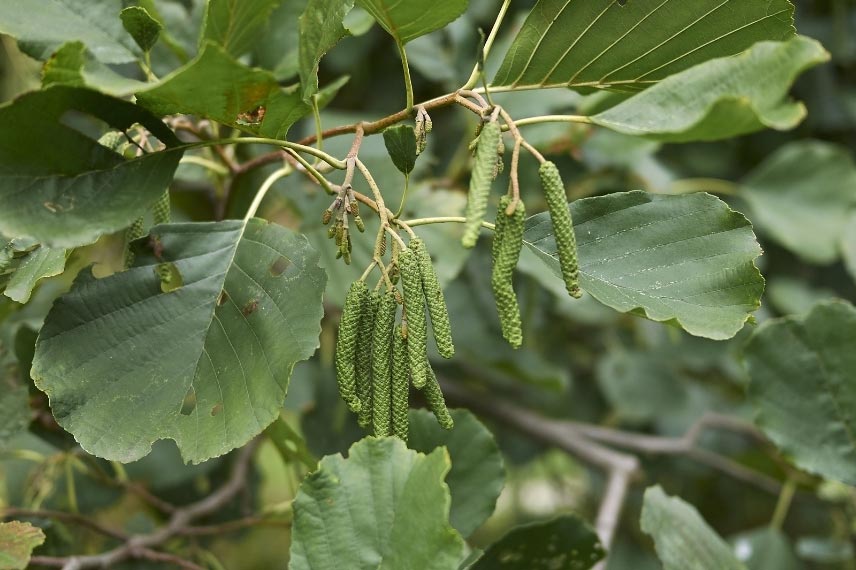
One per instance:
[(508, 233), (343, 206), (161, 214), (377, 360)]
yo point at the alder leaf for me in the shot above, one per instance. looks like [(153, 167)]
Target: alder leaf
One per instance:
[(688, 260), (400, 143), (721, 98), (17, 541), (143, 28), (236, 25), (36, 265), (321, 28), (407, 20), (207, 364), (682, 538), (80, 190), (632, 45), (801, 371), (73, 65), (385, 507)]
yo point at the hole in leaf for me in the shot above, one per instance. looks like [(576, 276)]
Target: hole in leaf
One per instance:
[(169, 276), (189, 403), (279, 266)]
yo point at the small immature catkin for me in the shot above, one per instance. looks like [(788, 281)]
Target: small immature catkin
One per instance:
[(414, 308), (436, 402), (435, 300), (563, 226), (480, 182), (326, 217), (346, 344), (507, 242), (384, 326), (364, 358), (400, 386), (161, 211), (134, 231)]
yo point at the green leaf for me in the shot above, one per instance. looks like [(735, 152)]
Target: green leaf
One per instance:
[(41, 26), (640, 386), (143, 28), (801, 371), (81, 190), (207, 364), (400, 142), (687, 260), (632, 45), (236, 25), (321, 28), (17, 541), (721, 98), (765, 549), (73, 65), (277, 48), (564, 543), (385, 507), (233, 95), (803, 196), (38, 264), (682, 538), (477, 475), (14, 411), (406, 21), (848, 245)]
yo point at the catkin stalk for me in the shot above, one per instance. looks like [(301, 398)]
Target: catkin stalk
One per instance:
[(364, 359), (414, 307), (384, 326), (507, 243), (400, 386), (563, 226), (484, 167), (346, 344), (435, 300)]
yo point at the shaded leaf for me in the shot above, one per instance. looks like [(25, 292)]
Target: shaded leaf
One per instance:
[(406, 21), (125, 364), (765, 549), (848, 245), (384, 507), (143, 28), (400, 142), (803, 196), (321, 28), (721, 98), (17, 541), (234, 95), (14, 411), (688, 260), (564, 543), (682, 538), (236, 24), (632, 45), (73, 65), (640, 386), (81, 190), (277, 48), (41, 26), (801, 371), (477, 475), (38, 264)]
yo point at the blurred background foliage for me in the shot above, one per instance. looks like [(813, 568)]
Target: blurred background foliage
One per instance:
[(580, 361)]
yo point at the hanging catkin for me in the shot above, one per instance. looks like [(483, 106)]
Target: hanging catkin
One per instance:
[(436, 402), (435, 300), (364, 359), (414, 307), (484, 166), (400, 385), (346, 344), (161, 211), (134, 231), (507, 242), (384, 327), (563, 226)]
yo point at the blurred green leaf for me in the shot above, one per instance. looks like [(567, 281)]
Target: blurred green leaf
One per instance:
[(801, 371), (14, 411), (721, 98), (848, 245), (385, 506), (765, 549), (17, 541), (73, 65), (143, 28), (236, 26), (321, 28), (407, 20), (640, 386)]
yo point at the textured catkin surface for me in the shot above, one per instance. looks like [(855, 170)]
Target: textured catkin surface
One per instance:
[(436, 402), (435, 300), (384, 327), (507, 243), (346, 344), (414, 307), (400, 386), (364, 359), (484, 168), (161, 211), (563, 227)]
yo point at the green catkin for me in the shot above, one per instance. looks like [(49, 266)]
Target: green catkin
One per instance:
[(384, 326), (435, 300), (563, 226), (134, 231), (346, 344), (436, 402), (507, 242), (480, 182), (414, 308), (364, 359), (400, 386), (161, 211)]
